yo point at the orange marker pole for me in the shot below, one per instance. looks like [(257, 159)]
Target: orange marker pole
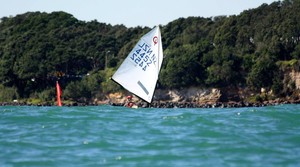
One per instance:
[(58, 93)]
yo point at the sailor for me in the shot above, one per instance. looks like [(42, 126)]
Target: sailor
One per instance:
[(129, 103)]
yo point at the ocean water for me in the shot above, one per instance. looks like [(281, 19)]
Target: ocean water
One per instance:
[(117, 136)]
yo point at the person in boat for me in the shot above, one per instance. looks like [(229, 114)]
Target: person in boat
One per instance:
[(129, 103)]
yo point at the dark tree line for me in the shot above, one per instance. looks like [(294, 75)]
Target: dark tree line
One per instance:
[(247, 50)]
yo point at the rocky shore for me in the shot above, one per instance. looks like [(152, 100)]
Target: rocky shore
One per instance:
[(208, 105), (169, 104), (194, 97), (184, 98)]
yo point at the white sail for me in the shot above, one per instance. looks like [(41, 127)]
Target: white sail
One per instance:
[(139, 71)]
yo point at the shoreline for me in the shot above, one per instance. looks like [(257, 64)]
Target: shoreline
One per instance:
[(167, 104), (209, 105)]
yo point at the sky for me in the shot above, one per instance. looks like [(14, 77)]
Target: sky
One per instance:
[(131, 13)]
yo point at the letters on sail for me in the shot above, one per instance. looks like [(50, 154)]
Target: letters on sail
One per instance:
[(139, 71)]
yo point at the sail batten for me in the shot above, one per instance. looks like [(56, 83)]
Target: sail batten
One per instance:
[(139, 71), (143, 87)]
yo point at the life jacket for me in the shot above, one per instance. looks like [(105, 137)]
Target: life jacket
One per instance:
[(130, 104)]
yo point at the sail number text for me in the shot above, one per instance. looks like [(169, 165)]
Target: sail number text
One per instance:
[(143, 56)]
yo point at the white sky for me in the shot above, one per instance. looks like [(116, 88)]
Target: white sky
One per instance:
[(131, 13)]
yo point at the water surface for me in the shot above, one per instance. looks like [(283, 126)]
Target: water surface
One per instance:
[(117, 136)]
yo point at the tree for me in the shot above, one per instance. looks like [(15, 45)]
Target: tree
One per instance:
[(262, 73)]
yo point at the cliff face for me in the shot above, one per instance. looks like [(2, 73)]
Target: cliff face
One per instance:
[(192, 94), (189, 95), (295, 77)]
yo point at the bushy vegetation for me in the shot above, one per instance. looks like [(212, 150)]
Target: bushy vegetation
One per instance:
[(247, 50), (7, 93)]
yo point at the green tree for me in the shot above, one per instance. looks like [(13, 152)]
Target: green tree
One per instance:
[(262, 73)]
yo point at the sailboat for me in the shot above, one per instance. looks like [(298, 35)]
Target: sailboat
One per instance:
[(139, 71)]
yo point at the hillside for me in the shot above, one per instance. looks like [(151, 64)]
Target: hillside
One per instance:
[(256, 50)]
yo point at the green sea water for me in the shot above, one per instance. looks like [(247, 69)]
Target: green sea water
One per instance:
[(117, 136)]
